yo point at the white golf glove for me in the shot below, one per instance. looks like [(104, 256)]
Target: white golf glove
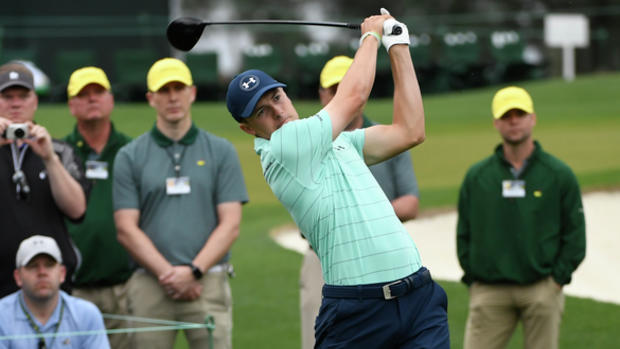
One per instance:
[(394, 32)]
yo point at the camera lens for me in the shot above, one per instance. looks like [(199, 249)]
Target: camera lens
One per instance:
[(19, 133)]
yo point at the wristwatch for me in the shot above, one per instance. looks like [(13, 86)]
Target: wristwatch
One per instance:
[(195, 271)]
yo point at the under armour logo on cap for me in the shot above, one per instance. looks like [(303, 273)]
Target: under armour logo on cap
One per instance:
[(13, 75), (249, 83)]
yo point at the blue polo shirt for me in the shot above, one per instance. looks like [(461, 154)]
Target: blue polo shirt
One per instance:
[(78, 315), (335, 200)]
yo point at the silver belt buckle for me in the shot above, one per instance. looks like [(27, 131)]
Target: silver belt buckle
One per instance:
[(387, 293)]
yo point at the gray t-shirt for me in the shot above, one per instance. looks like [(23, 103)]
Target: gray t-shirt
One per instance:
[(178, 224)]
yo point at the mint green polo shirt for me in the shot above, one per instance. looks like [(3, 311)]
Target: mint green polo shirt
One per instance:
[(105, 261), (336, 202), (179, 225)]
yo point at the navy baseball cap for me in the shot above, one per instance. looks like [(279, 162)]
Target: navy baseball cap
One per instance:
[(246, 89)]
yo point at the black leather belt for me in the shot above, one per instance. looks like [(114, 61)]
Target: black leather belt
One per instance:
[(388, 290)]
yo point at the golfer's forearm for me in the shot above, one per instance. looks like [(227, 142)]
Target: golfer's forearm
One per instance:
[(408, 107), (360, 77), (354, 89)]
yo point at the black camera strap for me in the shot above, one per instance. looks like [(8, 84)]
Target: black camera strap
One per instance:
[(19, 178)]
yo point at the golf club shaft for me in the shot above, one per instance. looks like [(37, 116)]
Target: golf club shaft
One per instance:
[(278, 21), (183, 33)]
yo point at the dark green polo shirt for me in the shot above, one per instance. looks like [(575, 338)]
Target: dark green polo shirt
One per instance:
[(104, 261), (180, 224)]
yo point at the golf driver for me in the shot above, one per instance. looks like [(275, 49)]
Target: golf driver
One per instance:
[(183, 33)]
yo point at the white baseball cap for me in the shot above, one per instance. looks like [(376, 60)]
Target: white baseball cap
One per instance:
[(36, 245)]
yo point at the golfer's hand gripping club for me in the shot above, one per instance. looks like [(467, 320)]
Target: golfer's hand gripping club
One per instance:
[(394, 32)]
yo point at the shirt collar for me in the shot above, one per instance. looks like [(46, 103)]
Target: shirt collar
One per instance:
[(499, 152), (76, 138), (259, 143), (163, 141), (53, 320)]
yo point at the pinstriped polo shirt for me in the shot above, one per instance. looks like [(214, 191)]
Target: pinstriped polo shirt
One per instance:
[(336, 202)]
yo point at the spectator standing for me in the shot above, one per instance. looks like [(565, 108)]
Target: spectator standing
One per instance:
[(520, 233), (41, 181), (105, 267), (178, 192)]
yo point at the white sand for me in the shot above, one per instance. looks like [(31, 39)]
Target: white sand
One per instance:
[(597, 276)]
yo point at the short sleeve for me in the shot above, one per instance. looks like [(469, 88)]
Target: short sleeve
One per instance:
[(74, 166), (230, 182), (356, 138), (125, 189), (93, 321)]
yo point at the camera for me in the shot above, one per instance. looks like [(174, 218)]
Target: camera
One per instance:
[(16, 131)]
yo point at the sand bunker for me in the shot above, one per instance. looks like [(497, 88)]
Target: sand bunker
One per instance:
[(435, 237)]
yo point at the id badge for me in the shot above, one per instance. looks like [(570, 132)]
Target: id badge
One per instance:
[(177, 185), (96, 169), (513, 188)]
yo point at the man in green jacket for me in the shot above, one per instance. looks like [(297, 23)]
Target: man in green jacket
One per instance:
[(105, 267), (520, 233)]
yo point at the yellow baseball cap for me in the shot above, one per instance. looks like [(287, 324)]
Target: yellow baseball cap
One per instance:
[(85, 76), (166, 70), (511, 97), (334, 70)]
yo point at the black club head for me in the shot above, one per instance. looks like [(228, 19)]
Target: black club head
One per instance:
[(183, 33)]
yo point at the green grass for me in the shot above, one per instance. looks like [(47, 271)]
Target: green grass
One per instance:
[(578, 122)]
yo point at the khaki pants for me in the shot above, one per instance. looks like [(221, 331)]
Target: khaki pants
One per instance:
[(148, 299), (495, 310), (111, 300), (310, 288)]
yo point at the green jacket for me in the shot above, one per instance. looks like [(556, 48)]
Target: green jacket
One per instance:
[(520, 240), (104, 261)]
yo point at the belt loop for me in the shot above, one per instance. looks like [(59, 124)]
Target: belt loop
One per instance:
[(409, 280), (359, 290)]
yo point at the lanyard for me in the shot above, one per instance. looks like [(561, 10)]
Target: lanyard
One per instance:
[(36, 328), (176, 159), (19, 178)]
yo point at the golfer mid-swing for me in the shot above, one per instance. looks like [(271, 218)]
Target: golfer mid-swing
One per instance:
[(377, 293)]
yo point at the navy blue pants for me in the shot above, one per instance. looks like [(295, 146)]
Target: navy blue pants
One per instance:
[(357, 317)]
